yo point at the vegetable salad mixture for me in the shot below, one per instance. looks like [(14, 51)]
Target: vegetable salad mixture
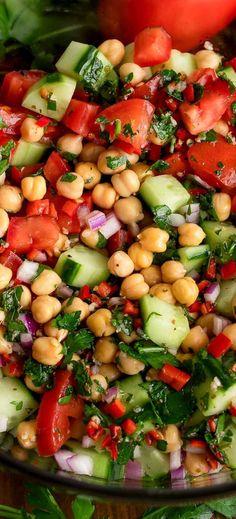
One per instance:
[(118, 261)]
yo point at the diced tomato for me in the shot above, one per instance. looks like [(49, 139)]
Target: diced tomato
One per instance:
[(105, 289), (154, 152), (86, 199), (39, 232), (80, 116), (195, 307), (203, 285), (232, 410), (203, 115), (106, 442), (211, 269), (11, 119), (113, 449), (14, 368), (212, 424), (211, 460), (43, 121), (119, 241), (178, 165), (202, 76), (189, 94), (228, 270), (41, 207), (135, 112), (219, 345), (129, 426), (11, 260), (18, 173), (70, 207), (53, 425), (84, 292), (196, 191), (55, 167), (68, 224), (196, 443), (116, 409), (148, 90), (207, 308), (232, 63), (130, 308), (152, 46), (205, 159), (182, 134), (173, 376), (16, 83), (172, 103)]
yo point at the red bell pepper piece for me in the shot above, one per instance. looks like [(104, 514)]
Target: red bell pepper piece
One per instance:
[(232, 409), (11, 260), (196, 191), (211, 269), (130, 308), (189, 93), (70, 207), (119, 241), (129, 426), (195, 307), (116, 409), (84, 292), (55, 167), (211, 460), (207, 308), (94, 430), (80, 116), (203, 285), (115, 431), (106, 290), (172, 104), (228, 270), (106, 442), (113, 449), (219, 345), (173, 376)]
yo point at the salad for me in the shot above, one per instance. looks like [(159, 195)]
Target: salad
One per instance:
[(118, 261)]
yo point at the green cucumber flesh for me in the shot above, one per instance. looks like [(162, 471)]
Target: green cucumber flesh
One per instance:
[(154, 462), (101, 460), (180, 62), (193, 257), (16, 401), (224, 302), (82, 266), (73, 58), (229, 449), (165, 324), (28, 153), (229, 74), (131, 393), (60, 89), (213, 401), (218, 232), (164, 190)]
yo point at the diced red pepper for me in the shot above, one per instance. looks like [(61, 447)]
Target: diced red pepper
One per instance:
[(130, 308), (129, 426), (232, 410), (155, 435), (211, 269), (172, 104), (116, 409), (195, 443), (195, 307), (119, 241), (154, 152), (211, 460), (80, 116), (189, 93), (94, 430), (55, 167), (115, 431), (39, 207), (219, 345), (105, 289), (43, 121), (207, 308), (84, 292), (113, 449), (203, 285), (106, 442), (196, 191), (70, 207), (228, 270), (212, 424), (14, 368), (182, 134), (173, 376), (137, 323)]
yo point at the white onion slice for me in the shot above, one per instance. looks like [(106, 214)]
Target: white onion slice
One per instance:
[(81, 464), (87, 442), (27, 271), (219, 323), (61, 458), (175, 460)]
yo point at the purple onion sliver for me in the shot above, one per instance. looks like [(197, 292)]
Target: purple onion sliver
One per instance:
[(29, 323), (111, 394), (212, 292), (61, 458), (193, 217), (219, 323), (179, 473), (175, 460), (87, 442), (81, 464), (26, 340), (194, 274), (95, 220), (133, 470), (82, 213), (64, 291), (111, 226)]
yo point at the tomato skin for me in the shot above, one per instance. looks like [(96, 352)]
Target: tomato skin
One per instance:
[(119, 241), (40, 207), (149, 90), (203, 115), (204, 159), (80, 116), (18, 173), (189, 22), (55, 167), (27, 232), (16, 84), (178, 165), (152, 46), (203, 76), (10, 260), (53, 425), (12, 118)]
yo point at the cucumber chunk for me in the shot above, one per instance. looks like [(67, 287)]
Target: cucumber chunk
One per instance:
[(60, 90), (180, 62), (82, 266), (155, 463), (224, 302), (131, 393), (16, 401), (28, 153), (218, 232), (165, 324), (212, 401), (229, 74), (101, 460), (193, 257), (164, 190), (230, 449)]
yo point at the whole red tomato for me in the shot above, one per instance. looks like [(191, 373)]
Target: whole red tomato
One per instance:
[(188, 21)]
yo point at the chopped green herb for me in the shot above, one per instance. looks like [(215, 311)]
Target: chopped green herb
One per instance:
[(41, 374), (82, 377), (102, 241), (127, 130), (2, 123), (67, 397), (76, 342), (116, 162), (198, 91), (149, 353), (102, 120), (51, 103), (3, 166), (128, 78), (226, 250), (18, 405), (122, 323), (125, 451), (168, 76), (160, 165), (5, 149), (161, 216), (68, 177), (210, 136), (68, 322), (164, 126)]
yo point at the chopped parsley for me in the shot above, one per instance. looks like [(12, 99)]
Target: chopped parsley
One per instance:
[(170, 407), (76, 342), (68, 177), (226, 250), (92, 410), (168, 76), (102, 120), (128, 131), (117, 128), (170, 253), (2, 123), (68, 322), (116, 162), (82, 377), (122, 323), (5, 149), (160, 166), (126, 450), (67, 397), (51, 103), (10, 302), (164, 126), (210, 136), (18, 405), (149, 353), (198, 91), (102, 241), (161, 216), (41, 374), (128, 78), (206, 204)]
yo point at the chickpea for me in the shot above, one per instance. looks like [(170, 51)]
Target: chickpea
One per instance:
[(208, 59), (141, 257), (111, 155), (129, 365), (206, 322), (222, 205), (90, 238), (91, 152), (120, 264), (152, 275), (196, 464), (25, 298), (45, 283), (5, 276), (185, 291), (128, 339), (190, 234), (132, 158), (2, 316), (18, 453), (70, 185), (76, 304), (47, 350), (4, 222), (2, 179), (26, 434), (114, 51), (163, 291), (89, 172), (222, 128), (98, 387), (105, 350), (61, 244), (29, 383), (30, 130), (230, 332), (110, 372), (138, 74), (100, 323), (195, 340), (154, 239), (125, 183), (134, 287), (11, 198), (172, 270), (5, 346), (70, 143), (129, 210), (142, 171), (52, 331), (45, 308), (172, 436), (34, 188), (104, 195)]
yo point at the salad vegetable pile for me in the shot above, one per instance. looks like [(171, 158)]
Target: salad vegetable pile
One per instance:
[(118, 261)]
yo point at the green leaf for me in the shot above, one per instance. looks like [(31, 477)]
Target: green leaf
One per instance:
[(82, 378), (160, 166), (125, 451), (102, 241), (43, 503), (164, 126), (41, 374), (122, 323), (168, 76), (67, 321), (210, 136), (227, 507), (82, 508), (116, 162), (161, 216), (68, 177), (76, 342), (226, 251), (149, 353)]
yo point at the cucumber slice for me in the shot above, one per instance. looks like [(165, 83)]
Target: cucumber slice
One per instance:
[(16, 401), (212, 401), (193, 257), (180, 62), (229, 74), (82, 266), (230, 449), (224, 302), (218, 232), (164, 190), (60, 89), (101, 460), (155, 463), (164, 324), (28, 153), (131, 393)]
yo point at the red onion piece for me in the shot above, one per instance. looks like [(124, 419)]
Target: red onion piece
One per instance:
[(115, 301), (195, 450), (211, 293), (193, 218), (219, 323), (111, 226), (175, 460), (40, 257), (81, 464), (194, 274), (111, 394), (134, 470), (3, 423), (26, 340), (64, 291), (82, 213), (61, 458), (176, 219), (179, 473), (95, 220), (27, 271), (87, 442), (201, 182), (29, 323)]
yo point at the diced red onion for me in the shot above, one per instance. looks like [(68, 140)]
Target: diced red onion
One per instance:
[(134, 229), (87, 442), (201, 182), (3, 423), (63, 291), (111, 226), (193, 218), (219, 323), (176, 219), (211, 293), (194, 274), (94, 369), (17, 348), (178, 474), (29, 323), (81, 464), (61, 458), (115, 301), (95, 220), (27, 271), (134, 470), (189, 208), (26, 340), (41, 257), (82, 213), (175, 460), (111, 394)]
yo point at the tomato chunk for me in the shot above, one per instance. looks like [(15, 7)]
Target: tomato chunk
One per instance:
[(16, 84), (80, 116), (38, 232), (148, 91), (152, 46), (10, 260), (55, 167)]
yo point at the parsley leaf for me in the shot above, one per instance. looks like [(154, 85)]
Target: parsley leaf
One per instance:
[(102, 241), (67, 321), (116, 162), (43, 502), (82, 378), (168, 76), (164, 126), (149, 353), (68, 177), (2, 123), (51, 103), (82, 508), (169, 405), (125, 451), (160, 165), (18, 404), (127, 130), (67, 397), (170, 253), (161, 216), (122, 323), (92, 410), (76, 342), (41, 374), (226, 250), (198, 91), (210, 136)]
